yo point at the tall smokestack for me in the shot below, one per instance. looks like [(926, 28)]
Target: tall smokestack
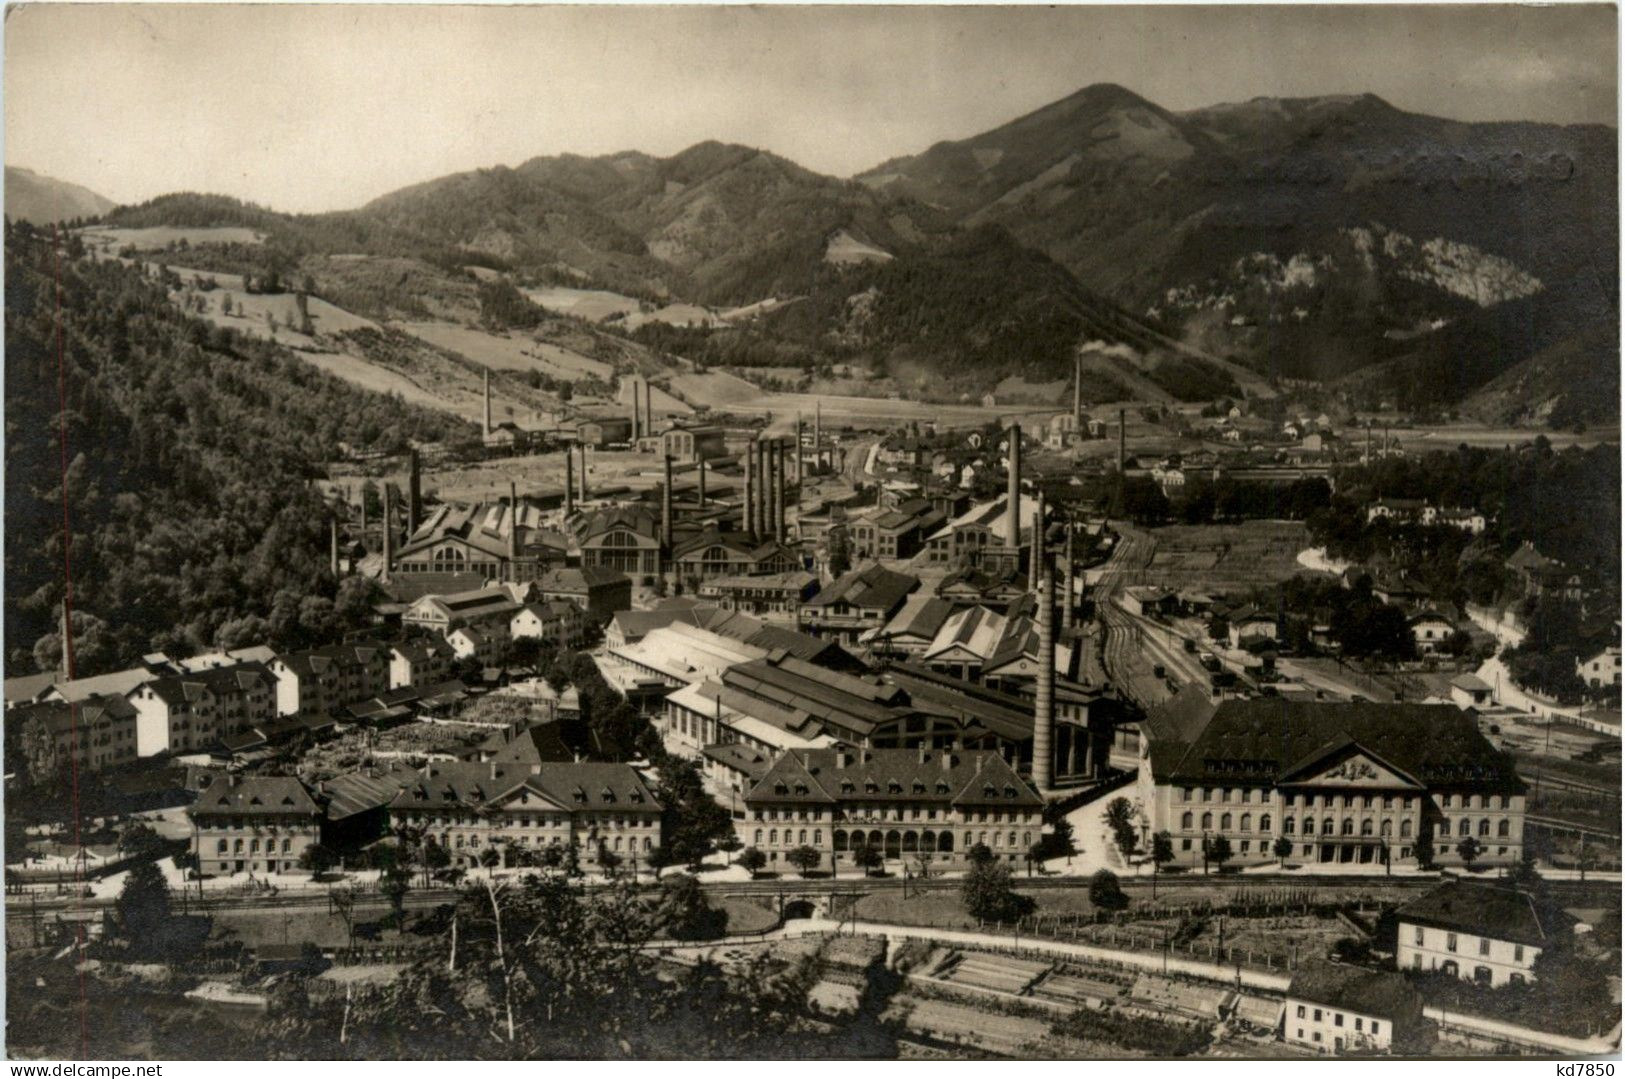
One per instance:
[(513, 530), (798, 459), (569, 480), (747, 522), (763, 498), (637, 425), (1066, 581), (414, 496), (487, 402), (1012, 511), (581, 480), (1044, 713), (702, 484), (818, 433), (66, 629), (1122, 440), (333, 543), (1077, 390), (1036, 557), (778, 490), (648, 407), (665, 508), (1368, 441), (389, 530), (363, 518)]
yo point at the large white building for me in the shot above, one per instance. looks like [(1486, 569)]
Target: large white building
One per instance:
[(1347, 1010), (1343, 783)]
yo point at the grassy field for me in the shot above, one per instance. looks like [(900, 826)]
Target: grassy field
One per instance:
[(164, 235), (509, 351), (1226, 558), (745, 916), (594, 305)]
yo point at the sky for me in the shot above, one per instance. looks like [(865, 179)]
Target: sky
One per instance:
[(310, 108)]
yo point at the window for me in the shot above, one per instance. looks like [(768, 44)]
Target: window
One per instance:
[(1337, 1020), (1484, 827), (1224, 823), (1421, 936), (1483, 945), (1184, 844), (1404, 829), (1207, 822), (1263, 822), (1450, 942), (1466, 827), (1246, 822), (1300, 1012), (1517, 953), (1374, 1025), (1317, 1015), (1185, 821), (1504, 829), (1289, 825)]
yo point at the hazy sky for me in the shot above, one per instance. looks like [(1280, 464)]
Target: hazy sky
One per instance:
[(315, 108)]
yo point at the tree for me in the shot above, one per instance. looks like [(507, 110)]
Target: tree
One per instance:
[(608, 860), (318, 858), (979, 854), (1282, 849), (343, 900), (729, 845), (867, 858), (139, 840), (1469, 849), (143, 906), (686, 912), (988, 895), (1105, 892), (1162, 851), (1218, 850), (805, 858), (1424, 848), (753, 860)]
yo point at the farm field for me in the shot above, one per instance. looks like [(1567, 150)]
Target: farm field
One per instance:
[(368, 376), (1448, 436), (509, 352), (251, 310), (163, 236), (594, 305), (1226, 558)]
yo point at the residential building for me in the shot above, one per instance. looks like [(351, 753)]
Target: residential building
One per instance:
[(1346, 783), (1430, 630), (253, 824), (598, 590), (327, 679), (486, 645), (522, 809), (558, 622), (185, 713), (1250, 623), (47, 740), (1471, 691), (1348, 1010), (420, 661), (1600, 668), (1482, 933), (916, 804), (1404, 510)]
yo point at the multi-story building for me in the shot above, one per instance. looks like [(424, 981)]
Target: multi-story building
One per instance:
[(620, 538), (1478, 932), (485, 645), (857, 603), (776, 597), (327, 679), (469, 808), (48, 739), (1599, 669), (932, 805), (1346, 783), (556, 621), (496, 540), (1338, 1010), (184, 713), (421, 661), (482, 608), (253, 824), (597, 590)]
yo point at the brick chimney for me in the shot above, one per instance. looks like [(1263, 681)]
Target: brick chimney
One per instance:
[(702, 484), (513, 529), (637, 401), (333, 543), (747, 522), (569, 481), (665, 509), (414, 494), (1012, 513), (777, 448), (389, 530), (487, 402), (1044, 712)]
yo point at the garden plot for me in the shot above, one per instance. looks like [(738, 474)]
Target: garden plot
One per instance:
[(1227, 558)]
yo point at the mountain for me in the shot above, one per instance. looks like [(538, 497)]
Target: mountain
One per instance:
[(1299, 234), (40, 199)]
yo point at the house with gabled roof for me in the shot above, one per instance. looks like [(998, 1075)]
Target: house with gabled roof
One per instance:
[(252, 824), (1485, 933), (925, 804), (420, 661), (184, 713), (856, 602), (45, 740), (522, 809)]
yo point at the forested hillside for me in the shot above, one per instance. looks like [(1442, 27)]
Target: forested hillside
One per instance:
[(189, 452)]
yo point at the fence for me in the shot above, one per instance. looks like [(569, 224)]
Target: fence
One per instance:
[(1113, 936)]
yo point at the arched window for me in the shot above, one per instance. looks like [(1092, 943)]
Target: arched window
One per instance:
[(1289, 825), (1224, 823), (1466, 827), (1365, 827), (1484, 827), (1328, 827), (1504, 829), (758, 837), (773, 836), (1387, 828), (1185, 821), (1246, 822), (1404, 829), (1263, 822), (1308, 826), (1207, 822), (1348, 825)]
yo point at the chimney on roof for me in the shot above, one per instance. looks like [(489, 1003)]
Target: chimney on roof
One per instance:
[(363, 519), (1044, 714), (843, 756), (925, 753), (414, 495), (487, 402), (701, 461), (1012, 510), (665, 509), (389, 530), (493, 770), (569, 481), (1122, 440)]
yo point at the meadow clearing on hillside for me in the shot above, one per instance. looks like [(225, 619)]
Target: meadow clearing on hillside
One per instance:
[(164, 235), (510, 351), (594, 305)]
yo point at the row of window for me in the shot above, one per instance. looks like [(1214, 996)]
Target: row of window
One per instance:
[(896, 813), (1450, 944), (1244, 795), (269, 824), (254, 846), (1464, 826), (1337, 1020)]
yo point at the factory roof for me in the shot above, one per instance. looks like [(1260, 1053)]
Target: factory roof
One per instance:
[(976, 630), (363, 790), (920, 616), (873, 586)]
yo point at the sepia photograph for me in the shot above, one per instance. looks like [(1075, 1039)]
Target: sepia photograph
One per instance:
[(1126, 568)]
